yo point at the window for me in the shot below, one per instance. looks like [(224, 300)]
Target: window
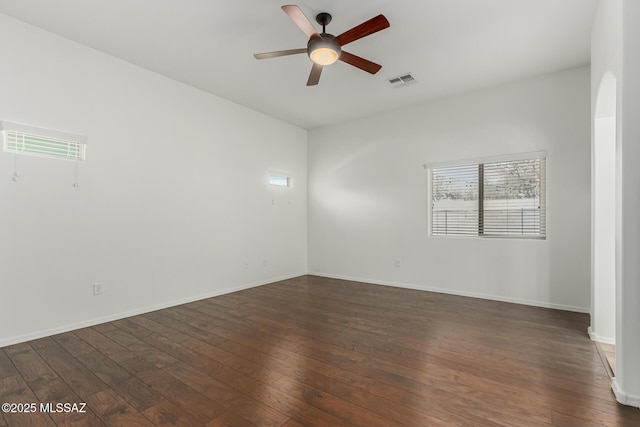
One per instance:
[(495, 198), (454, 198), (279, 179), (20, 139)]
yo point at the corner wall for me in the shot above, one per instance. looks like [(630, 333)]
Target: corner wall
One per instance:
[(173, 203), (368, 194)]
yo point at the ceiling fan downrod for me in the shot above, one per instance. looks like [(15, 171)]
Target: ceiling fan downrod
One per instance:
[(323, 18)]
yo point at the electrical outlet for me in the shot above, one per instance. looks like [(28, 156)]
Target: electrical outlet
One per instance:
[(397, 263), (97, 288)]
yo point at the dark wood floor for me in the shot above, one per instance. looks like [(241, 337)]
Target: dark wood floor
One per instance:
[(320, 352)]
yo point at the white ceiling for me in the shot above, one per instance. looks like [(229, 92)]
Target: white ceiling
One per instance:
[(449, 46)]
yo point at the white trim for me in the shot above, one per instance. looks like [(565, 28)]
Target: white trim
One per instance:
[(280, 173), (600, 338), (491, 159), (92, 322), (455, 292), (623, 397), (31, 130)]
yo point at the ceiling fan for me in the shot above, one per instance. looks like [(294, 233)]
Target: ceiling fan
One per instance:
[(325, 49)]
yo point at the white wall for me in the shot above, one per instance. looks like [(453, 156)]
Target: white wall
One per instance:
[(173, 202), (606, 63), (603, 313), (368, 194), (627, 383), (615, 50)]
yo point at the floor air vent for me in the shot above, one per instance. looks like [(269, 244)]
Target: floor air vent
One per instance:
[(402, 80)]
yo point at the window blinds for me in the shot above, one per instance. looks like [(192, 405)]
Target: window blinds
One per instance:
[(505, 198), (280, 181), (514, 198), (454, 196), (22, 139)]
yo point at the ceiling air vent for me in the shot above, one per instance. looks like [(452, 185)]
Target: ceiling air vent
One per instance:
[(402, 80)]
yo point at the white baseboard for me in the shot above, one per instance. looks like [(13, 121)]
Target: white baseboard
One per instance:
[(96, 321), (622, 397), (456, 292), (600, 338)]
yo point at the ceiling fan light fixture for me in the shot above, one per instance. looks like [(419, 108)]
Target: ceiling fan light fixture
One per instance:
[(324, 51)]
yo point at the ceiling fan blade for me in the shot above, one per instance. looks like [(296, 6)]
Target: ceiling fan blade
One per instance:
[(277, 53), (363, 64), (301, 21), (369, 27), (314, 76)]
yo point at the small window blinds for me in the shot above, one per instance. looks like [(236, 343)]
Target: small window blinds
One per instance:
[(279, 179), (20, 139)]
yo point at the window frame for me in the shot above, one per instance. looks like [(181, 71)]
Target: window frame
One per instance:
[(8, 129), (480, 162), (280, 176)]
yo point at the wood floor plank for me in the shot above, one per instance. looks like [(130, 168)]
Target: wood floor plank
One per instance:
[(230, 419), (115, 411), (327, 402), (322, 365), (280, 359), (31, 366), (388, 408), (174, 349), (82, 380), (50, 393), (6, 366), (73, 344), (14, 390), (42, 343), (103, 344), (198, 340), (139, 347), (105, 327), (360, 342), (103, 367), (563, 420), (48, 388), (174, 390), (292, 423), (258, 412), (58, 392), (166, 413), (292, 405), (313, 351), (217, 391)]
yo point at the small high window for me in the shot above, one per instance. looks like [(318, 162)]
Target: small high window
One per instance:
[(279, 179), (21, 139)]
